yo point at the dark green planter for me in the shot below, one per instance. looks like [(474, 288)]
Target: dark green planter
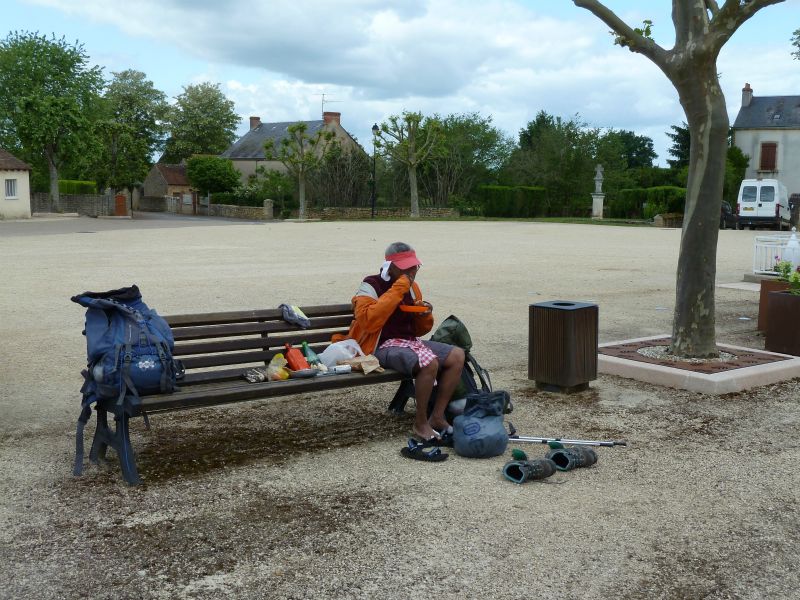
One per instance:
[(783, 323)]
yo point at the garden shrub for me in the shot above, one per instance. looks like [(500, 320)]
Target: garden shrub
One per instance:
[(664, 199), (74, 186), (512, 201)]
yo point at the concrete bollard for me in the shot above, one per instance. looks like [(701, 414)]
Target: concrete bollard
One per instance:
[(268, 210)]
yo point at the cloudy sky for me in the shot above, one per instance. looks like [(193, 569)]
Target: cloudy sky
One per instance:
[(373, 58)]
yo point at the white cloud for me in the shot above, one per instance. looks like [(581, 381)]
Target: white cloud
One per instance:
[(505, 58)]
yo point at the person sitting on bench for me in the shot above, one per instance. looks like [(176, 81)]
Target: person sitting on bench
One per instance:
[(385, 326)]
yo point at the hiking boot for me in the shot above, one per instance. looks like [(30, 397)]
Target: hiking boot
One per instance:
[(567, 459), (520, 471)]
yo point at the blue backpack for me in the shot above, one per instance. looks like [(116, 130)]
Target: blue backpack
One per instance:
[(129, 353)]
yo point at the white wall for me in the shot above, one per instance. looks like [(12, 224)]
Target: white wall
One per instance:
[(19, 208), (788, 157)]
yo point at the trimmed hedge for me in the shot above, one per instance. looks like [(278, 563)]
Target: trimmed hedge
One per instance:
[(74, 186), (508, 201), (637, 203)]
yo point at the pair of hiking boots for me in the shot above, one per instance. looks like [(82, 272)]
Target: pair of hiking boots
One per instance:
[(557, 459)]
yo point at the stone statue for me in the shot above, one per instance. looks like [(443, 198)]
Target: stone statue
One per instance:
[(598, 179)]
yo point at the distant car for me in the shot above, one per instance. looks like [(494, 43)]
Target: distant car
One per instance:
[(727, 218)]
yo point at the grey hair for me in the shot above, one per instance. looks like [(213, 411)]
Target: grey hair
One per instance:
[(396, 247)]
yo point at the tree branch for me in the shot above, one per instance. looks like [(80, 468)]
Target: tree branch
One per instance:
[(731, 16), (712, 7), (636, 42)]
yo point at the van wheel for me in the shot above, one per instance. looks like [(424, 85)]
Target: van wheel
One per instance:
[(739, 226)]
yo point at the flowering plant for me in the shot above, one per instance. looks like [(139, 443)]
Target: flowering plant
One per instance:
[(791, 276)]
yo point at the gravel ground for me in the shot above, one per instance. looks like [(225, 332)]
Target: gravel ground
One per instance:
[(309, 497)]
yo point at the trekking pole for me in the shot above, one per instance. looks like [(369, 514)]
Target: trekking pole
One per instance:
[(543, 440), (513, 437)]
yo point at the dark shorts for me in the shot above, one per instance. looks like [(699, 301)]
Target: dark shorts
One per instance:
[(406, 361)]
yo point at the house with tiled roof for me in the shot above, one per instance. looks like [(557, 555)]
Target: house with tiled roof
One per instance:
[(247, 153), (767, 129), (15, 187), (165, 180)]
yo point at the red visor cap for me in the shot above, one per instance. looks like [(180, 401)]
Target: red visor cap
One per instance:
[(404, 260)]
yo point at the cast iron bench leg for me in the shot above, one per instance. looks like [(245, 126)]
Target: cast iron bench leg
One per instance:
[(119, 440), (401, 396)]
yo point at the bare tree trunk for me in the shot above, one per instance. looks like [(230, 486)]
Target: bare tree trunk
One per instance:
[(693, 327), (412, 183), (54, 197), (301, 193)]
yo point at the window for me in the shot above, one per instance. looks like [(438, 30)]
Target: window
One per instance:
[(769, 154), (749, 193), (767, 194), (11, 189)]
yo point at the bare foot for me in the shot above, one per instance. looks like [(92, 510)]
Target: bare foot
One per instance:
[(424, 432), (440, 426)]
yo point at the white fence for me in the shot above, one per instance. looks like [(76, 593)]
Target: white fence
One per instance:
[(768, 249)]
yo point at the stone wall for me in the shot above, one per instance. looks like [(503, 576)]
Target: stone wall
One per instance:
[(252, 213), (358, 212), (90, 205), (259, 213)]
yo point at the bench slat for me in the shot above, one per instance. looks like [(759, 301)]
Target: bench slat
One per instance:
[(253, 391), (215, 331), (231, 345), (242, 316)]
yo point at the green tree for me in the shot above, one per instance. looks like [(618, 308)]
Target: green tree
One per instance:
[(471, 151), (681, 142), (47, 92), (301, 154), (211, 174), (201, 122), (409, 139), (796, 44), (637, 149), (701, 30), (558, 155), (342, 179), (131, 129)]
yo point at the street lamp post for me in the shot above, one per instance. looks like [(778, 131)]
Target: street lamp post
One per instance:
[(375, 130)]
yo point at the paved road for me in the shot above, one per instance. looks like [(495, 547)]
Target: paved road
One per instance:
[(141, 220)]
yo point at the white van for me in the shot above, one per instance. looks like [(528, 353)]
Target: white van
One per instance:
[(763, 202)]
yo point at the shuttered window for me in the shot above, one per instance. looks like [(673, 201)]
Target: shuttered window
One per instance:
[(769, 153)]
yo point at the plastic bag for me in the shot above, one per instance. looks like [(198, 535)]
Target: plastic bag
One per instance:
[(276, 369), (340, 351)]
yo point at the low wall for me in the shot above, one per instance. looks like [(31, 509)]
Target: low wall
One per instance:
[(358, 212), (253, 213), (90, 205), (259, 213)]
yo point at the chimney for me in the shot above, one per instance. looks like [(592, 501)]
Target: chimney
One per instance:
[(331, 117), (747, 95), (254, 122)]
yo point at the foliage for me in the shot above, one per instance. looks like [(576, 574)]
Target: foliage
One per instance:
[(789, 274), (410, 139), (515, 202), (202, 121), (796, 44), (680, 146), (301, 154), (735, 168), (471, 150), (211, 174), (47, 92), (664, 199), (343, 177), (556, 154), (637, 150), (72, 186), (131, 129), (625, 203)]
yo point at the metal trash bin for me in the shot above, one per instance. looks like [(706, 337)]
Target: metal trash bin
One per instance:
[(562, 345)]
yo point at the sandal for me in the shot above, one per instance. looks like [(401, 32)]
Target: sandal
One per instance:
[(445, 439), (423, 451)]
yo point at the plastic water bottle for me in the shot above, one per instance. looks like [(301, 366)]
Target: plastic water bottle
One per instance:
[(310, 355)]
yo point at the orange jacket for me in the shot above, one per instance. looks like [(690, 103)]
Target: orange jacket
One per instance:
[(371, 314)]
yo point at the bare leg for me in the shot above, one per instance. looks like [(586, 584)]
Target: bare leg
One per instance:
[(447, 381), (423, 385)]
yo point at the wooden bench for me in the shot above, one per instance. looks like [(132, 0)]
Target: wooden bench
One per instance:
[(217, 348)]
